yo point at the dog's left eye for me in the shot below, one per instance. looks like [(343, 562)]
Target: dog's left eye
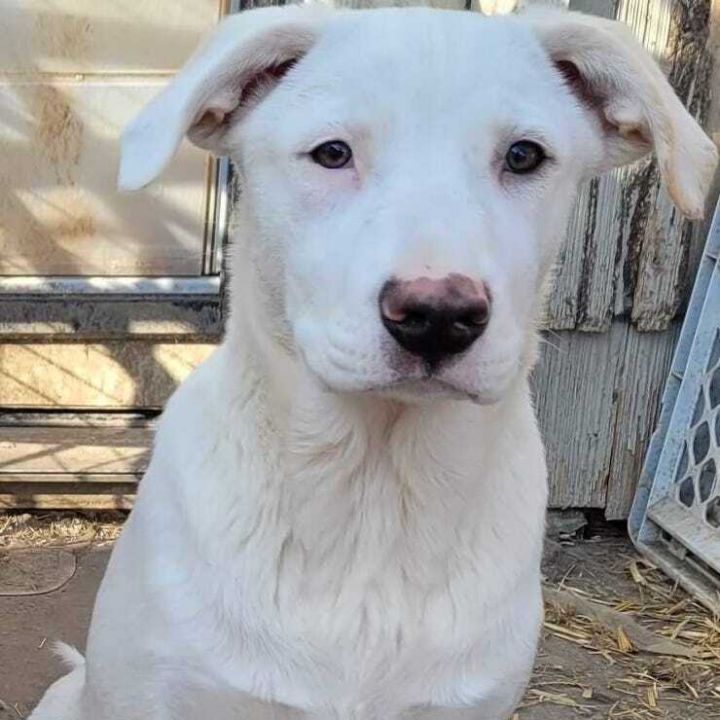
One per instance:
[(333, 155), (524, 157)]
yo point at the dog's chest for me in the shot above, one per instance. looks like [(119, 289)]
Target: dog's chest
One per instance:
[(377, 596), (374, 577), (379, 639), (376, 661)]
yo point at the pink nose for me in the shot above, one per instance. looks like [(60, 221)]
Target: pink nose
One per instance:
[(435, 318)]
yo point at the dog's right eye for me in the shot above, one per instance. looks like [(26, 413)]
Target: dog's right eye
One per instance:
[(524, 156), (333, 155)]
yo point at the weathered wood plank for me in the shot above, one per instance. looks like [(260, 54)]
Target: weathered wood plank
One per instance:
[(574, 386), (661, 266), (562, 307), (73, 449), (69, 419), (72, 460), (604, 242), (25, 499), (29, 482), (115, 374), (94, 318), (598, 396), (642, 372)]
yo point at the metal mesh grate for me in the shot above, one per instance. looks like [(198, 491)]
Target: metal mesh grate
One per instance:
[(696, 474), (675, 518)]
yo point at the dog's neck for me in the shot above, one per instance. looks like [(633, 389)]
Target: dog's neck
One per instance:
[(356, 477), (369, 477)]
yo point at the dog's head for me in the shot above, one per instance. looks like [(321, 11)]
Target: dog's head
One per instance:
[(407, 175)]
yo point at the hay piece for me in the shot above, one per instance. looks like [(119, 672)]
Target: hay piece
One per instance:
[(635, 635)]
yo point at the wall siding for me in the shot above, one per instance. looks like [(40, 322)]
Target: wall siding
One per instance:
[(622, 280), (597, 398)]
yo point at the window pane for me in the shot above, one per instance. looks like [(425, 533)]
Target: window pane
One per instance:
[(74, 72)]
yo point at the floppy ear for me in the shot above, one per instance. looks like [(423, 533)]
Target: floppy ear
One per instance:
[(246, 54), (638, 111)]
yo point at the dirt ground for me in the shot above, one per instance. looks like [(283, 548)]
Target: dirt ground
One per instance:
[(620, 641)]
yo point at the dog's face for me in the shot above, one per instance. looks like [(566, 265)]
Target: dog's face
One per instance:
[(415, 191), (408, 174)]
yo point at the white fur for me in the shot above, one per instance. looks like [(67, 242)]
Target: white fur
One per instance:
[(70, 655), (325, 531)]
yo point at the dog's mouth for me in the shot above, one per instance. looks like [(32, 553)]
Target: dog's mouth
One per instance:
[(405, 378), (416, 379), (428, 387), (448, 380)]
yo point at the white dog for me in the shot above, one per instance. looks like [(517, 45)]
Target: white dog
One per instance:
[(343, 516)]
